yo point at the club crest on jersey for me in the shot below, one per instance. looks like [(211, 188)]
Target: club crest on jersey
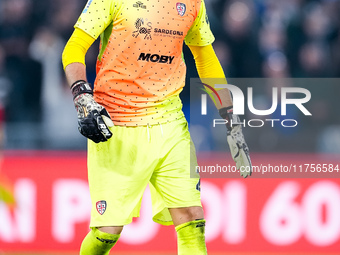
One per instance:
[(181, 8), (101, 207)]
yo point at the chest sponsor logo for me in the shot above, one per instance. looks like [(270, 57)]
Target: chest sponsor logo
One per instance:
[(148, 57), (139, 4), (168, 32), (181, 8), (143, 28)]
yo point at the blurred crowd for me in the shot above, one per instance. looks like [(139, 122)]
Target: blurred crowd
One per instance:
[(270, 38), (37, 102), (254, 38)]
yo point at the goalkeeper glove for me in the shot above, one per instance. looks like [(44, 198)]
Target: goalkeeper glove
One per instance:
[(238, 147), (93, 119)]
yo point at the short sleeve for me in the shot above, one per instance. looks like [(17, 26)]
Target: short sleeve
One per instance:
[(96, 16), (200, 34)]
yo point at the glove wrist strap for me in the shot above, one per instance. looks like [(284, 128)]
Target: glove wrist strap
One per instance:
[(81, 87), (227, 114)]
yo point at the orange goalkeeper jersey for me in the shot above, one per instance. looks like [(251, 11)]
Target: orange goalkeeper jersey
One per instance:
[(140, 67)]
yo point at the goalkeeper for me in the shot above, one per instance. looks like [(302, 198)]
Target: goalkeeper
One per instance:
[(133, 119)]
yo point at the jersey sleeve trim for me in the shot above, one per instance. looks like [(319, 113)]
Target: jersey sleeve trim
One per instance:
[(97, 16), (200, 33)]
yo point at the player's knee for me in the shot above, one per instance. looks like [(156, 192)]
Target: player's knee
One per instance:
[(114, 230), (187, 214), (194, 213)]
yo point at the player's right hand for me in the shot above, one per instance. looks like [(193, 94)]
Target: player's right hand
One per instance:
[(239, 150), (237, 144), (93, 119)]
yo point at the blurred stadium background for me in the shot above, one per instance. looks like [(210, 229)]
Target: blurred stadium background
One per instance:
[(44, 156)]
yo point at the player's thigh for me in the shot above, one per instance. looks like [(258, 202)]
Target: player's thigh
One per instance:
[(118, 173), (175, 179)]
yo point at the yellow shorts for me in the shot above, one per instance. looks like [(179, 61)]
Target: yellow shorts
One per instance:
[(120, 169)]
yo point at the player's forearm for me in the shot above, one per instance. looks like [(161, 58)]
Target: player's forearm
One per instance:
[(210, 71), (73, 57), (75, 72)]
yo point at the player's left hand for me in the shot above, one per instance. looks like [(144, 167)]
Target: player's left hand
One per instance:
[(238, 146)]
